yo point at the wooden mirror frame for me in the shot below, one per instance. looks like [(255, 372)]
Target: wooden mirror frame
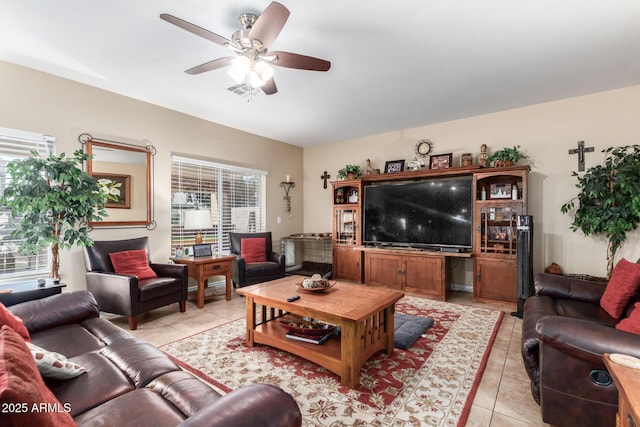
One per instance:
[(145, 219)]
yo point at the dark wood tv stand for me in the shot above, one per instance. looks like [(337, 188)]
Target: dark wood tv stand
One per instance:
[(424, 272), (429, 272)]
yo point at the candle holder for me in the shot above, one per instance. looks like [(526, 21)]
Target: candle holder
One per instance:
[(287, 185)]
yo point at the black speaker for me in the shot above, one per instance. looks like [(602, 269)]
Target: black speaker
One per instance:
[(524, 261)]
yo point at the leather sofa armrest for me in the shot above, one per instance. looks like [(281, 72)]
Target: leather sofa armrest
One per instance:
[(170, 270), (556, 286), (239, 270), (256, 405), (114, 291), (56, 310), (584, 339)]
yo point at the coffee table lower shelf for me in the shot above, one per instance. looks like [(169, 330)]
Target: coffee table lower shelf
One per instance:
[(327, 354)]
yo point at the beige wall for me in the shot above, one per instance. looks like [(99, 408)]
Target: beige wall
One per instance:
[(39, 102), (545, 132)]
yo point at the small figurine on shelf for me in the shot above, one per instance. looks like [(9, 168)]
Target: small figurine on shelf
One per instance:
[(483, 158), (415, 164), (369, 169)]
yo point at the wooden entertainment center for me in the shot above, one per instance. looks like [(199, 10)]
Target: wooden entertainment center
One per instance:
[(500, 195)]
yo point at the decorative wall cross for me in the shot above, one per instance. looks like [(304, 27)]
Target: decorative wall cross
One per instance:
[(325, 176), (580, 151)]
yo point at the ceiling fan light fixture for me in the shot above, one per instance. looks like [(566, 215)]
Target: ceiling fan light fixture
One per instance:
[(264, 71), (255, 80)]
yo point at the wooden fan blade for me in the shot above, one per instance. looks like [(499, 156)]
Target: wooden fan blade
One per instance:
[(300, 62), (269, 88), (198, 31), (269, 24), (211, 65)]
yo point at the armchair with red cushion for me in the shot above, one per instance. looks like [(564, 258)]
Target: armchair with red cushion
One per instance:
[(124, 281), (255, 260)]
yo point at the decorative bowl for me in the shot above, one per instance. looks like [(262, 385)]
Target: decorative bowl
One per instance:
[(306, 327), (325, 284)]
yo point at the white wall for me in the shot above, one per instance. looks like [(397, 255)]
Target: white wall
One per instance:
[(43, 103), (545, 132)]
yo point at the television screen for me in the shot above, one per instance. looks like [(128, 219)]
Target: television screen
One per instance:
[(432, 213)]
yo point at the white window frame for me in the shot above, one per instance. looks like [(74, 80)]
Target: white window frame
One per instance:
[(213, 180)]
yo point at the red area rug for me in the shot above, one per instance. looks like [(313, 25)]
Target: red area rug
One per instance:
[(432, 383)]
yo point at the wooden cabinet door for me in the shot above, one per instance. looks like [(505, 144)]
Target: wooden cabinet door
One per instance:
[(383, 270), (495, 279), (347, 263), (426, 275)]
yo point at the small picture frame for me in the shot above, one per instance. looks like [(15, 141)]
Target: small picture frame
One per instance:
[(441, 161), (201, 250), (394, 166), (500, 190)]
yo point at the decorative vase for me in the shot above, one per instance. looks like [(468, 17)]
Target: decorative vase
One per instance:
[(351, 176)]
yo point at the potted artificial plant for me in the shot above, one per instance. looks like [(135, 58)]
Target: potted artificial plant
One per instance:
[(608, 201), (506, 157), (51, 200), (349, 172)]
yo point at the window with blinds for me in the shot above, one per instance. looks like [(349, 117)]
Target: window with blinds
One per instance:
[(17, 144), (214, 199)]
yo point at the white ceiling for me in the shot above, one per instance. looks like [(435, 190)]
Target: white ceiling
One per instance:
[(395, 65)]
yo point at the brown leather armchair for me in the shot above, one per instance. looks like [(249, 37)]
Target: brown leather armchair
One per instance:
[(565, 333), (126, 295), (248, 273)]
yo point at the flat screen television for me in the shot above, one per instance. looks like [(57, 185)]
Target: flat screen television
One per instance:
[(431, 214)]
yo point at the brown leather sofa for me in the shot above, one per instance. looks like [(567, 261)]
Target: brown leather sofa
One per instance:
[(131, 383), (565, 333)]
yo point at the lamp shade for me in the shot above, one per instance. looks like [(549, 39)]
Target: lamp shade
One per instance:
[(197, 219)]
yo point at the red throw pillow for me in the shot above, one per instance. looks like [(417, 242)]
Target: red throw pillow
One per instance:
[(622, 286), (254, 249), (14, 322), (23, 394), (132, 263), (631, 323)]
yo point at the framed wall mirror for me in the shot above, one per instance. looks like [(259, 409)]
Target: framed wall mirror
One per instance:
[(124, 171)]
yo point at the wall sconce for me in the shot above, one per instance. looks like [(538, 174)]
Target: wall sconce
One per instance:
[(287, 185)]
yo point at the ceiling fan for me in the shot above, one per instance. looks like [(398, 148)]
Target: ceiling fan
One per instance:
[(251, 65)]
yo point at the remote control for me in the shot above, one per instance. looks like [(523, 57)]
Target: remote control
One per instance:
[(293, 298)]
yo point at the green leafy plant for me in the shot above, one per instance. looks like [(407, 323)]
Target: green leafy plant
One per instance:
[(51, 200), (609, 199), (353, 170), (502, 157)]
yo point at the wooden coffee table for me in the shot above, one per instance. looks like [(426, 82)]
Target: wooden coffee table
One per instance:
[(364, 314)]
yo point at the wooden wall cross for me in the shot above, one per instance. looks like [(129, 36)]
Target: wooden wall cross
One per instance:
[(325, 176), (580, 152)]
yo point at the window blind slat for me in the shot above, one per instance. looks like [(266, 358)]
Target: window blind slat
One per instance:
[(235, 196)]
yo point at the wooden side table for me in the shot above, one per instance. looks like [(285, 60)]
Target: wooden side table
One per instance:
[(627, 381), (201, 268)]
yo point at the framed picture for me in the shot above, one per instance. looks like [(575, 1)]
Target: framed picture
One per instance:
[(394, 166), (441, 161), (201, 250), (500, 190), (117, 187)]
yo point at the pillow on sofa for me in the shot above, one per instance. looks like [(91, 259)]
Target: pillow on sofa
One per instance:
[(631, 323), (14, 322), (622, 286), (22, 388), (132, 263), (54, 365), (253, 249)]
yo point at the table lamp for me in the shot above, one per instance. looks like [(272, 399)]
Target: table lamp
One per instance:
[(197, 219)]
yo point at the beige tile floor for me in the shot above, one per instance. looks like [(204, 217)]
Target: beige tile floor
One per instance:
[(503, 397)]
